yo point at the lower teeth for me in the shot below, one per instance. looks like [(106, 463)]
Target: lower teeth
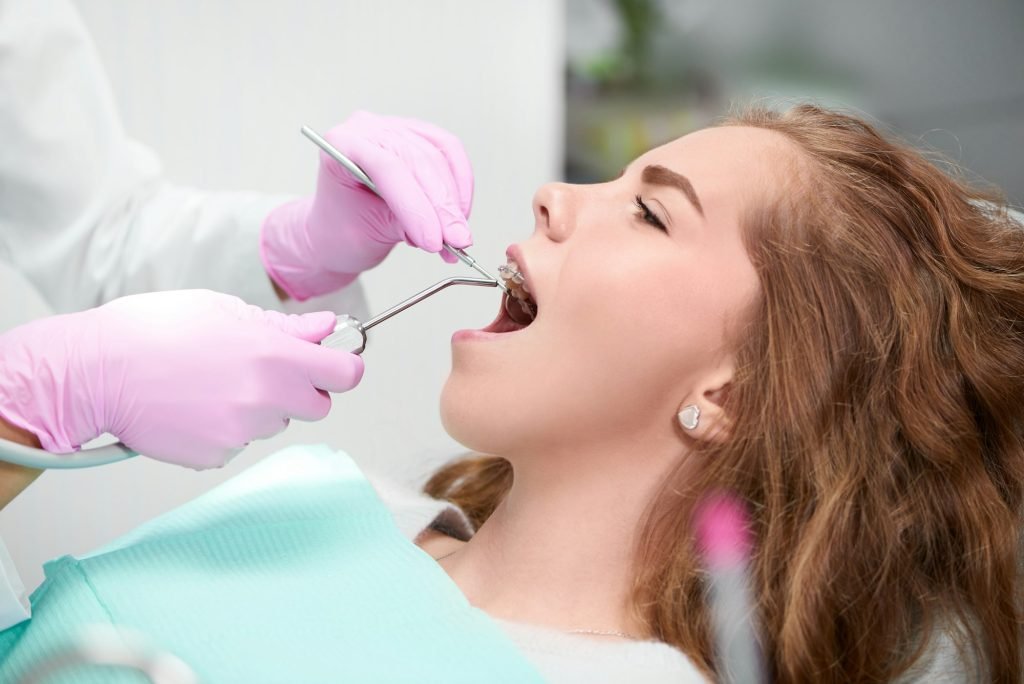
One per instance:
[(522, 314)]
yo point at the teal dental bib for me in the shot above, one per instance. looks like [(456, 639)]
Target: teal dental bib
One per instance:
[(293, 572)]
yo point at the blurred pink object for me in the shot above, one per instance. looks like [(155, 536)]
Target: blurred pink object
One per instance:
[(188, 377), (318, 244), (724, 537), (722, 531)]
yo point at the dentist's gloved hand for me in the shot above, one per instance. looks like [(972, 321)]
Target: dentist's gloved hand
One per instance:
[(318, 244), (186, 377)]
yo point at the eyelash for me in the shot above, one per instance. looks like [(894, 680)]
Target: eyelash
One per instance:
[(644, 213)]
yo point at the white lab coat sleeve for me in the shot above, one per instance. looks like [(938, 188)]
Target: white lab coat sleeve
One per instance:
[(14, 606), (84, 212)]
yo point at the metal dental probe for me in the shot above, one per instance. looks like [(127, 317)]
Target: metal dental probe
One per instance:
[(350, 334), (361, 176)]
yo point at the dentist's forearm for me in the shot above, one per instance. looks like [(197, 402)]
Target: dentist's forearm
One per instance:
[(15, 478)]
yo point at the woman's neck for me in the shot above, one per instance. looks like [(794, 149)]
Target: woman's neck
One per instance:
[(558, 551)]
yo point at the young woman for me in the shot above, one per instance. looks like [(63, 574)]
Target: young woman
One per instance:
[(848, 320), (788, 307)]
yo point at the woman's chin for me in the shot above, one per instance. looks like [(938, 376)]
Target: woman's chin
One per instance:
[(473, 419)]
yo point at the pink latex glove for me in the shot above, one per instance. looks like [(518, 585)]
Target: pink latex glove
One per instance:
[(318, 244), (187, 377)]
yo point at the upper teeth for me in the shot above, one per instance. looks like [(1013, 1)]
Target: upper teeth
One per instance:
[(510, 272)]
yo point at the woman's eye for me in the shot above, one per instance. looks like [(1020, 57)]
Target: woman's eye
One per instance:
[(644, 213)]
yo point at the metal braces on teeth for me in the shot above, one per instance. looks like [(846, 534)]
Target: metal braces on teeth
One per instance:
[(510, 272), (519, 291)]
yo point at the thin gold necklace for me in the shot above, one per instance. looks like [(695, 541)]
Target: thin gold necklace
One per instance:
[(599, 632)]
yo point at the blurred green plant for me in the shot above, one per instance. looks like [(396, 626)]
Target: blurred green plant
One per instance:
[(639, 19), (630, 65)]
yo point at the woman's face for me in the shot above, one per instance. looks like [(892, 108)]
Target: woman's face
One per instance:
[(638, 283)]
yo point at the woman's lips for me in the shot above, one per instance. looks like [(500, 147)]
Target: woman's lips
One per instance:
[(476, 335)]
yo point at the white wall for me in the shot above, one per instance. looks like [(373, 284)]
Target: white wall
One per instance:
[(220, 90)]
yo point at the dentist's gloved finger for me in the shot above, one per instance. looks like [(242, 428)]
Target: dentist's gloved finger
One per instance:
[(438, 178), (398, 187), (440, 164), (225, 457), (371, 125), (306, 402), (268, 428), (434, 175), (448, 257), (455, 154), (328, 369), (310, 327), (456, 234), (199, 457)]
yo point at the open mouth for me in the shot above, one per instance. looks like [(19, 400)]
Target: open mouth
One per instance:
[(518, 307)]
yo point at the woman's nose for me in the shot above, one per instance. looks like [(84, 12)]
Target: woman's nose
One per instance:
[(554, 211)]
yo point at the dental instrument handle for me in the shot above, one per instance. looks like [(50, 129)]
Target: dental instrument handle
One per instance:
[(361, 176), (350, 333), (30, 457)]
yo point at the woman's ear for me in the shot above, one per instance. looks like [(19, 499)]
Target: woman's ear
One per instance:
[(701, 415)]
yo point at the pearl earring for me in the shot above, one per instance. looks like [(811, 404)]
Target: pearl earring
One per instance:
[(689, 417)]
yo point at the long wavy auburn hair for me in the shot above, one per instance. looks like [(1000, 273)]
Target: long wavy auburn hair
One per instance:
[(877, 423)]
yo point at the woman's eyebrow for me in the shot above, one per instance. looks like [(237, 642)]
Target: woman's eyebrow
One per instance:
[(659, 175)]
